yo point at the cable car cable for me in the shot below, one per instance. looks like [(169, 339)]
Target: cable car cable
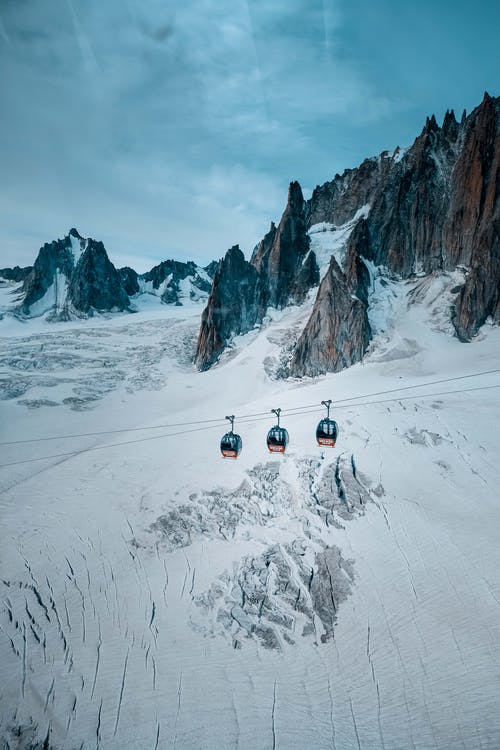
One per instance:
[(255, 419), (220, 421), (404, 388), (102, 447), (112, 432)]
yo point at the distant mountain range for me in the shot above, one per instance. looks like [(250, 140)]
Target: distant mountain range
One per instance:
[(431, 208), (73, 277)]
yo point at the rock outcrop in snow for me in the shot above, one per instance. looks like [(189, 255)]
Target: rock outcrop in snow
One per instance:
[(95, 283), (16, 274), (337, 333), (54, 260), (130, 280), (172, 280), (234, 306), (432, 208), (438, 208), (279, 257), (281, 271), (74, 276), (473, 228)]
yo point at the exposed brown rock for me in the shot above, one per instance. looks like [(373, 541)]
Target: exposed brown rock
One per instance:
[(357, 274), (338, 200), (432, 207), (439, 208), (337, 333), (307, 277), (279, 257), (233, 306), (473, 230), (280, 271)]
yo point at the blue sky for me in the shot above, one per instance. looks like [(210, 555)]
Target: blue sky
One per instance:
[(173, 129)]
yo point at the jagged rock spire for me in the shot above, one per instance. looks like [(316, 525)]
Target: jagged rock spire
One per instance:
[(233, 306), (433, 207), (281, 270), (337, 333)]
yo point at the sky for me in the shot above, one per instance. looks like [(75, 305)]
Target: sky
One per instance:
[(172, 130)]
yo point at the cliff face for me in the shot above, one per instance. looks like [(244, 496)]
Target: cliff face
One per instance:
[(409, 208), (54, 259), (234, 306), (16, 274), (338, 200), (432, 207), (130, 280), (281, 271), (279, 257), (95, 283), (72, 275), (438, 207), (166, 278), (472, 232), (337, 333)]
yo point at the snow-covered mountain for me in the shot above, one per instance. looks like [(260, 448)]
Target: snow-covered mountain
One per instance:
[(73, 277), (156, 595), (174, 281), (433, 207)]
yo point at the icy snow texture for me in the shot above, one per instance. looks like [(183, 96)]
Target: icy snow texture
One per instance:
[(119, 629), (328, 239)]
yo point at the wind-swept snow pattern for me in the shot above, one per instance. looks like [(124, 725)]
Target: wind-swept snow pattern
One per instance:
[(155, 595)]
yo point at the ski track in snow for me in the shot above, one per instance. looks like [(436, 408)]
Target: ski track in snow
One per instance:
[(158, 596)]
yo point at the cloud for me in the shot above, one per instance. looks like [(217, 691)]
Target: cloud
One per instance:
[(174, 128)]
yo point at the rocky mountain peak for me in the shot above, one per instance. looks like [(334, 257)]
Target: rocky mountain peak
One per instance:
[(295, 198), (281, 270), (95, 283), (16, 273), (429, 208), (54, 261), (280, 254), (431, 125), (337, 333), (74, 276), (66, 280), (449, 127), (234, 306)]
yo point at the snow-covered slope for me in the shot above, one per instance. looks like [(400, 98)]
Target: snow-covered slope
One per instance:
[(328, 239), (155, 595)]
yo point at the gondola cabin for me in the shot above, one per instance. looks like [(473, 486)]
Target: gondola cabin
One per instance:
[(231, 445), (277, 439), (326, 432)]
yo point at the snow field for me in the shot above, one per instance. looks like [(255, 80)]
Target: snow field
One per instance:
[(118, 630)]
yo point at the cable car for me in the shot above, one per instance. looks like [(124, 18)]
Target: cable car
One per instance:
[(327, 429), (231, 443), (277, 437)]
